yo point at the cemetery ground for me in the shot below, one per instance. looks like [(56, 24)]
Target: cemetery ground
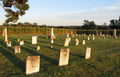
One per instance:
[(104, 60)]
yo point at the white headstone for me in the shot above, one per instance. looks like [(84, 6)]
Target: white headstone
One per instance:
[(51, 34), (8, 44), (34, 39), (52, 41), (83, 42), (88, 53), (67, 35), (88, 38), (77, 42), (17, 49), (114, 34), (67, 40), (21, 42), (38, 47), (18, 39), (32, 64), (64, 57)]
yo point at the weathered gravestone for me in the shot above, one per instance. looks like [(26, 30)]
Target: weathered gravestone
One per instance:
[(96, 33), (67, 40), (64, 57), (89, 34), (21, 42), (88, 38), (103, 34), (114, 34), (73, 35), (5, 37), (83, 42), (17, 49), (77, 42), (71, 32), (8, 44), (84, 34), (38, 47), (88, 53), (18, 39), (32, 64), (100, 33), (34, 39), (67, 35), (76, 34)]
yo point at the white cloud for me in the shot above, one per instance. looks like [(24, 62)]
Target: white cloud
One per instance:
[(112, 8), (95, 9), (74, 12)]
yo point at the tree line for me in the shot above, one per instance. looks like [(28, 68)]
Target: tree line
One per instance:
[(114, 24)]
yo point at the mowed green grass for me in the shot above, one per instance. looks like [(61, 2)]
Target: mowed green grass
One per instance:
[(104, 61)]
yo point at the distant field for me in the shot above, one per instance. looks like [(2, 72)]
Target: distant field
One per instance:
[(104, 61)]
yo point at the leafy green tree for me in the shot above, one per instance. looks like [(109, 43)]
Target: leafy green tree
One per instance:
[(20, 24), (20, 6), (92, 25), (35, 24), (85, 24), (27, 24), (6, 24)]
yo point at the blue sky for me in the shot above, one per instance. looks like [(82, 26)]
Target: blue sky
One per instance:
[(68, 12)]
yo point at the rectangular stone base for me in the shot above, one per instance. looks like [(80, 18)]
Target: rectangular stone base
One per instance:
[(51, 37)]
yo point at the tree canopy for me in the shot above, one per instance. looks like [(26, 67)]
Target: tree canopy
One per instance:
[(14, 9)]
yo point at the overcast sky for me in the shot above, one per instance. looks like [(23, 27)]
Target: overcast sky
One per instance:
[(68, 12)]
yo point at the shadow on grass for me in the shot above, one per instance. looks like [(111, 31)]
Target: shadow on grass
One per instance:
[(77, 55), (53, 61), (15, 60)]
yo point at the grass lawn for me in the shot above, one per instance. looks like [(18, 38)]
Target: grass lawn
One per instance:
[(104, 61)]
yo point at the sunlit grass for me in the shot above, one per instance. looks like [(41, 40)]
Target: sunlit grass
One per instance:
[(104, 61)]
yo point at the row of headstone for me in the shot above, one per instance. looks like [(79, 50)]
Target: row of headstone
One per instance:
[(17, 49), (33, 62)]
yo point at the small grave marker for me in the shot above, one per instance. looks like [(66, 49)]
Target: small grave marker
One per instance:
[(8, 44), (38, 47), (88, 53), (77, 42), (83, 42), (21, 42), (34, 39)]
